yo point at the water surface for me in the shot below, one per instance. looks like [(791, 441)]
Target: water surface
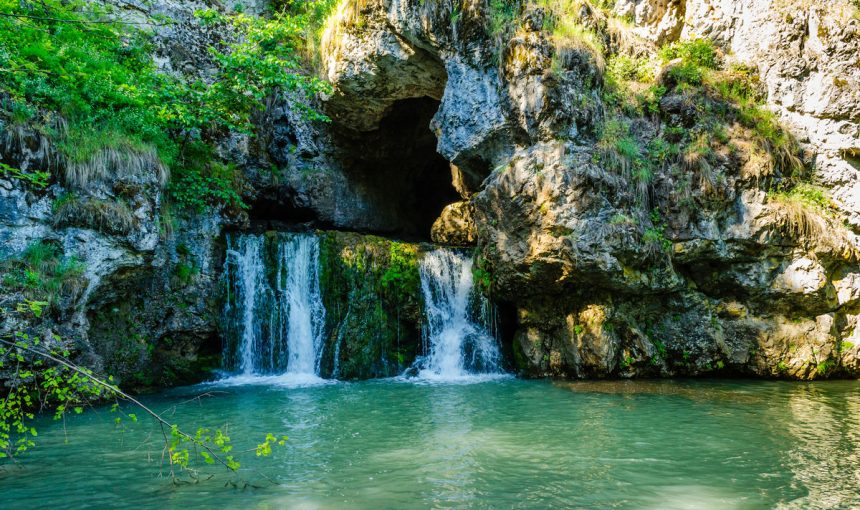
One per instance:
[(495, 444)]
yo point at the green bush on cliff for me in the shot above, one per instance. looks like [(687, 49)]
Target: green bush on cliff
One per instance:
[(81, 73), (43, 274)]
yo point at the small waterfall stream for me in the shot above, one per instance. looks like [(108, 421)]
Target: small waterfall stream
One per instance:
[(458, 326), (275, 320), (274, 312)]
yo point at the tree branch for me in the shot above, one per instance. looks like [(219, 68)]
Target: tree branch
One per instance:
[(123, 395)]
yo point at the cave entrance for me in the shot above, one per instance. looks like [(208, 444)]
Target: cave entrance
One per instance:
[(398, 164)]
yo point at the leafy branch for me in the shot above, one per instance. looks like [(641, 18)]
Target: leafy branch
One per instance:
[(74, 386)]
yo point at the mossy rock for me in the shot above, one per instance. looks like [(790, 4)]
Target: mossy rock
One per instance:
[(372, 295)]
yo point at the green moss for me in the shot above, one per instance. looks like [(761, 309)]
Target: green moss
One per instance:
[(401, 278), (520, 360), (371, 292), (185, 272), (825, 367)]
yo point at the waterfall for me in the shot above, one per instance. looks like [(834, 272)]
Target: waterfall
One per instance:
[(458, 328), (274, 313), (301, 303)]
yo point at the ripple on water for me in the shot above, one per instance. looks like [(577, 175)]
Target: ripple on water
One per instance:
[(508, 443)]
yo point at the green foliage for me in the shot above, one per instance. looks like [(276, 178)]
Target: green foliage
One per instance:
[(185, 272), (661, 353), (687, 72), (699, 71), (621, 68), (621, 152), (185, 451), (264, 449), (44, 380), (570, 37), (807, 195), (186, 268), (825, 367), (401, 277), (482, 275), (203, 182), (371, 292), (654, 236), (802, 211), (700, 53), (629, 87), (502, 18), (34, 308), (36, 179), (627, 362), (37, 385), (43, 275), (621, 219), (93, 78), (263, 58)]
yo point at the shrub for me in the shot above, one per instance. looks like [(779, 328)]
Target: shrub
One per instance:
[(205, 182), (700, 53), (110, 111), (43, 274)]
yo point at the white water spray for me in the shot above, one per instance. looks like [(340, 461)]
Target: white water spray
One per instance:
[(301, 303), (458, 329), (274, 326)]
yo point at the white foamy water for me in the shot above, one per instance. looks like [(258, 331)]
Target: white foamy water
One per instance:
[(458, 332), (274, 311)]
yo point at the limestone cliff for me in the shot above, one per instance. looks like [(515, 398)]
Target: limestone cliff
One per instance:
[(641, 205), (697, 268)]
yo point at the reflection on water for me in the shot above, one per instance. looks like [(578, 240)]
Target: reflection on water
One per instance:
[(494, 444), (824, 454)]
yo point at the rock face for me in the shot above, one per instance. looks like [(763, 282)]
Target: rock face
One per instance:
[(453, 123), (726, 282), (372, 295)]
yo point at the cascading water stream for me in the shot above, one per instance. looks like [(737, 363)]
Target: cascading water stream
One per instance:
[(301, 303), (458, 328), (274, 310)]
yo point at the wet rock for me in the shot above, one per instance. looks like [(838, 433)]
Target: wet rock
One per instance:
[(456, 225)]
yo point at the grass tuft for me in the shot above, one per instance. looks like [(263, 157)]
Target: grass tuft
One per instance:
[(106, 216)]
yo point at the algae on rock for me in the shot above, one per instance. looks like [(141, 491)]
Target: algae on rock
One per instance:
[(371, 292)]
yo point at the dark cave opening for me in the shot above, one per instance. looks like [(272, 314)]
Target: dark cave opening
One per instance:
[(398, 167), (275, 212)]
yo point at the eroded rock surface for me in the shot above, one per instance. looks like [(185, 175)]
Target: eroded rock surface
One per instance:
[(443, 129), (721, 282)]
